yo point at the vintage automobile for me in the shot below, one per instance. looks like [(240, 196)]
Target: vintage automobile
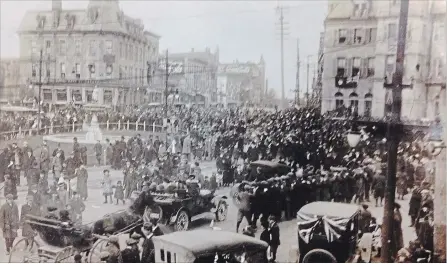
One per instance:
[(209, 246), (329, 233), (179, 209), (267, 169)]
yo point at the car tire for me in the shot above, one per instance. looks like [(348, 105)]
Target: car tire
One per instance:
[(319, 255), (221, 211), (182, 222)]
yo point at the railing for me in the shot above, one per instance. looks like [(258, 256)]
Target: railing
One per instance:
[(76, 127)]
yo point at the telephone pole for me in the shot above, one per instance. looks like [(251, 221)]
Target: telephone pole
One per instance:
[(307, 80), (40, 92), (388, 240), (166, 83), (282, 30), (297, 84)]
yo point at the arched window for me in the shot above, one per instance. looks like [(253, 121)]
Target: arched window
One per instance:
[(339, 100), (368, 105), (353, 100)]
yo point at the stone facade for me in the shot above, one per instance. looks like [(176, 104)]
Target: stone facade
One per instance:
[(193, 74), (94, 55), (361, 42), (241, 83)]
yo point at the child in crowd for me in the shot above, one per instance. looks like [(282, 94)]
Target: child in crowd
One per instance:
[(106, 184), (119, 192)]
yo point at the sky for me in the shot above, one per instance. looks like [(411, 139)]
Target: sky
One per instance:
[(243, 30)]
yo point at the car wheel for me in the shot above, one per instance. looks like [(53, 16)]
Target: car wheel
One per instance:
[(222, 210), (182, 222), (319, 256)]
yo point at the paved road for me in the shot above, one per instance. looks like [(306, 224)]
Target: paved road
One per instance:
[(288, 232)]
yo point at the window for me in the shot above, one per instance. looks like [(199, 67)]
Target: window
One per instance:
[(33, 47), (127, 51), (439, 67), (370, 70), (77, 46), (357, 10), (371, 34), (364, 10), (353, 101), (439, 32), (341, 66), (392, 31), (92, 48), (47, 71), (121, 73), (48, 46), (436, 110), (47, 95), (108, 96), (109, 70), (342, 36), (389, 66), (76, 95), (89, 96), (121, 49), (339, 100), (33, 70), (61, 95), (168, 257), (131, 52), (62, 47), (368, 105), (63, 70), (109, 47), (356, 64), (78, 70), (358, 36), (92, 70)]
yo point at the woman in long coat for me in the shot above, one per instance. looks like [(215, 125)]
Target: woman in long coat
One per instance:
[(186, 150), (30, 208)]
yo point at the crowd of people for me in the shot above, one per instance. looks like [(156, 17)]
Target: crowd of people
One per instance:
[(321, 166)]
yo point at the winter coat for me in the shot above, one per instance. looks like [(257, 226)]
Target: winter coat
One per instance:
[(45, 158), (107, 186), (81, 184), (26, 209), (186, 145), (119, 192), (9, 220)]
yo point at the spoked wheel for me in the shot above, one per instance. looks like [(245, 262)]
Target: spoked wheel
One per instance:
[(182, 222), (222, 210), (23, 253), (94, 256), (66, 255)]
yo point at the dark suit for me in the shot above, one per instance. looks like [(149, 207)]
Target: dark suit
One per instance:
[(274, 240)]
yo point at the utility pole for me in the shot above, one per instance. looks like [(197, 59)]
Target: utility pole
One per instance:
[(297, 84), (282, 29), (40, 92), (307, 79), (393, 139), (166, 84)]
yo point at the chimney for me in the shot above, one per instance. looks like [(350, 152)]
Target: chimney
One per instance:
[(56, 5)]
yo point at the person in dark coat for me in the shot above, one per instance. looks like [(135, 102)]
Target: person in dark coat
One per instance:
[(378, 186), (265, 235), (245, 206), (364, 219), (119, 192), (9, 221), (131, 254), (398, 241), (415, 204), (274, 237), (28, 209), (98, 152), (10, 187)]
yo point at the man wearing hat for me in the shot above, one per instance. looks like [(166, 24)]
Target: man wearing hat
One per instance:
[(9, 221), (244, 198), (10, 186), (114, 250), (131, 254), (28, 209), (45, 159), (77, 208)]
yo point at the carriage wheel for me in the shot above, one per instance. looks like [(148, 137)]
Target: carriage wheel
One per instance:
[(95, 252), (21, 253), (182, 222), (222, 210), (66, 255)]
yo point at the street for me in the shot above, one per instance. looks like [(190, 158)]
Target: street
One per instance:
[(95, 209)]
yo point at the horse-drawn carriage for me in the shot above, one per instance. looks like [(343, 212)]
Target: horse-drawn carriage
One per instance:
[(59, 241)]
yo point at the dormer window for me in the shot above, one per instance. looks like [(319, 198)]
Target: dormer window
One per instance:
[(360, 9)]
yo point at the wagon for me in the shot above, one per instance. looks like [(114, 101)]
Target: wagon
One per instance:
[(329, 233), (56, 241), (209, 246)]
